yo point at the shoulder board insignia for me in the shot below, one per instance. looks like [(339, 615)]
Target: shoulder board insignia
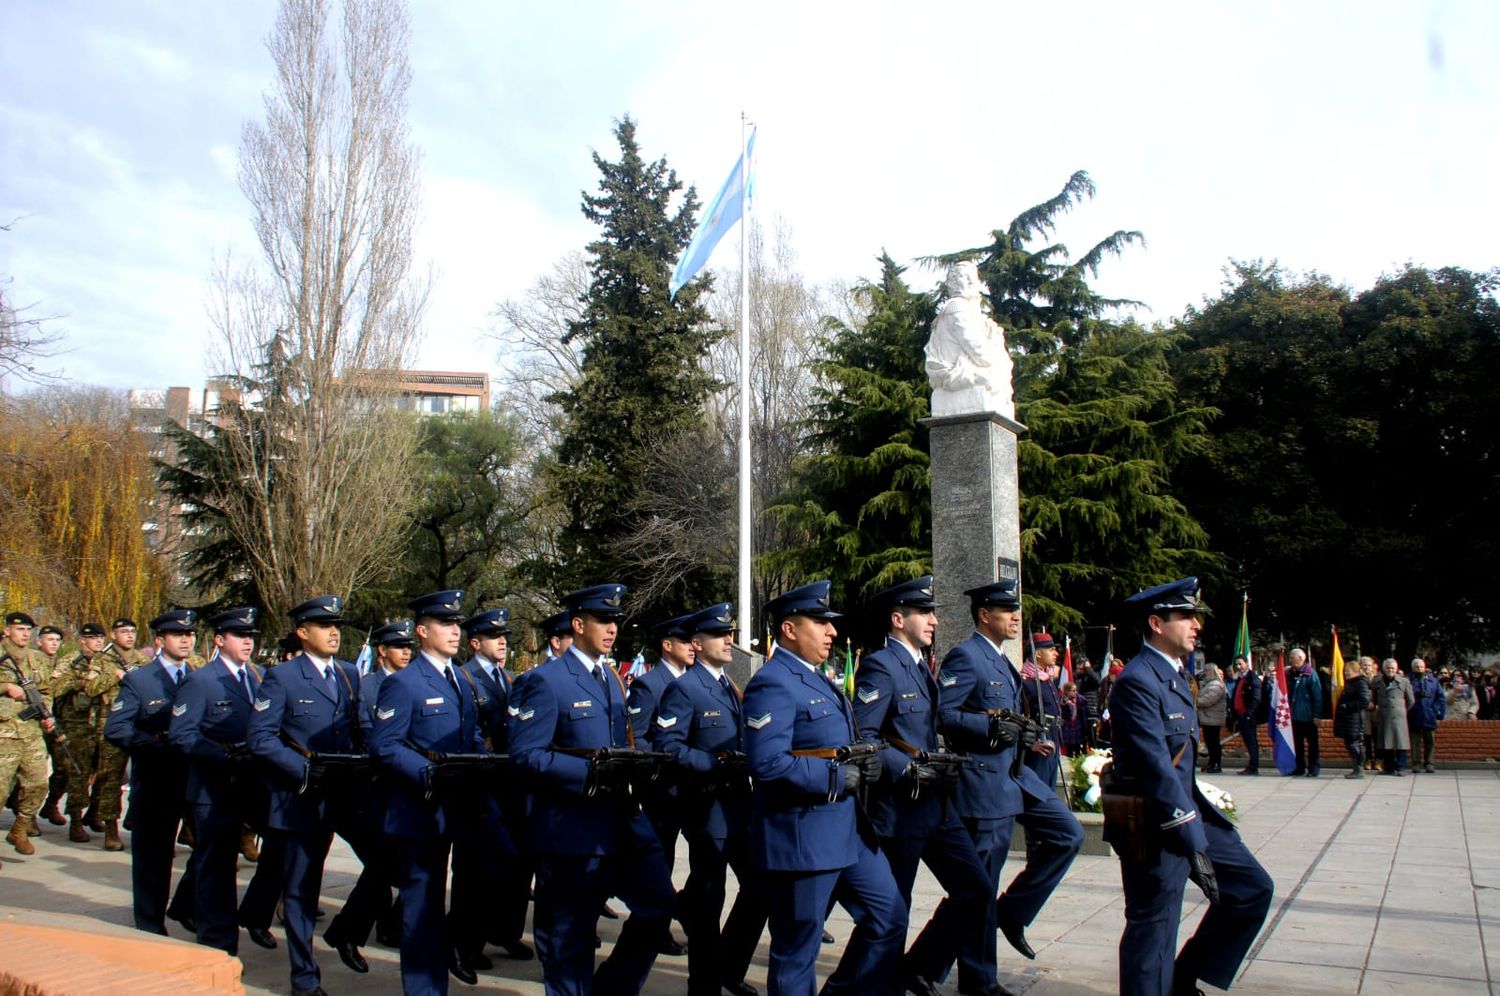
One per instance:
[(436, 700), (513, 710), (867, 694), (666, 722), (586, 703), (524, 716), (948, 680), (179, 710), (116, 706), (261, 705), (757, 722), (384, 714)]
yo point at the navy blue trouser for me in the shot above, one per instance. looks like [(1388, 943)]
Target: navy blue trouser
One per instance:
[(950, 853), (570, 892), (422, 876), (153, 843), (302, 864), (716, 956), (1053, 839), (975, 951), (1153, 907), (798, 904)]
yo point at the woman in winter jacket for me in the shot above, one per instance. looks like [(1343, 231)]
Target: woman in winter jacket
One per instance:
[(1349, 715)]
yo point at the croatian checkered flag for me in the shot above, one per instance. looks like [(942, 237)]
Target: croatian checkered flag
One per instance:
[(1281, 721)]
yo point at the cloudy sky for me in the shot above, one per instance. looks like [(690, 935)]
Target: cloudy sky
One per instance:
[(1347, 138)]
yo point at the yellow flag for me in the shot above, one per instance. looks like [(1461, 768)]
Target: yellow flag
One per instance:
[(1338, 667)]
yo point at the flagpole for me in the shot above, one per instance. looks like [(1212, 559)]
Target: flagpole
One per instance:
[(746, 615)]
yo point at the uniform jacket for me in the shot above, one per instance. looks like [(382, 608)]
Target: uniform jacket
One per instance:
[(1431, 704), (974, 678), (895, 696), (644, 699), (210, 713), (492, 696), (698, 718), (562, 705), (294, 703), (369, 692), (31, 663), (417, 712), (800, 820), (138, 722), (1155, 720)]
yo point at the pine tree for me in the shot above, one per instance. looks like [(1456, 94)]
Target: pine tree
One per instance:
[(643, 382), (1098, 517), (863, 498)]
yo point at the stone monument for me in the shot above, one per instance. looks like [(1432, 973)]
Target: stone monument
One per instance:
[(976, 497)]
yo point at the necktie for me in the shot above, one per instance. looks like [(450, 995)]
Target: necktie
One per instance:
[(176, 677), (603, 682), (452, 681), (245, 683), (333, 685)]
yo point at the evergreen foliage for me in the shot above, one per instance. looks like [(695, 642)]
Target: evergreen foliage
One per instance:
[(862, 501), (643, 382)]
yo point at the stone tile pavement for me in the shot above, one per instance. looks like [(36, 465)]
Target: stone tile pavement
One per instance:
[(1383, 885)]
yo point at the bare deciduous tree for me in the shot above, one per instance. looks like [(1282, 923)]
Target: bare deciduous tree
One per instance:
[(530, 338), (317, 333), (24, 337)]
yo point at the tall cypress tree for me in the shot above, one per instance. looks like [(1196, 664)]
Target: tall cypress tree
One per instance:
[(643, 379), (863, 497)]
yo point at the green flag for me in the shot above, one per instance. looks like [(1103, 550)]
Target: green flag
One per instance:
[(1242, 642), (849, 668)]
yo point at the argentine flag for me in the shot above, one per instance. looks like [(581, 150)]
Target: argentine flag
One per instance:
[(725, 209), (365, 659)]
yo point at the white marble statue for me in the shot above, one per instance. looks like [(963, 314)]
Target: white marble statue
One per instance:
[(967, 364)]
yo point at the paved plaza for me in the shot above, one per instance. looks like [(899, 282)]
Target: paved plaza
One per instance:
[(1383, 885)]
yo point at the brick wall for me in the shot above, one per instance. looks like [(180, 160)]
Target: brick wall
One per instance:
[(1455, 740)]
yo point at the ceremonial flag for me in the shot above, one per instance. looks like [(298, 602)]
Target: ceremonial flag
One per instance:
[(1281, 721), (1242, 641), (849, 669), (1338, 667), (1067, 661), (723, 211), (362, 662), (637, 666)]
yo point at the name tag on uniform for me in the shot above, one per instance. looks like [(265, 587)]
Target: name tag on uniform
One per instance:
[(304, 701), (156, 702), (435, 701), (587, 703), (908, 695), (222, 702), (996, 684), (817, 701), (1174, 715), (712, 714)]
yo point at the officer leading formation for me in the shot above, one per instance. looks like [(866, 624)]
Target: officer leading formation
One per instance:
[(436, 770)]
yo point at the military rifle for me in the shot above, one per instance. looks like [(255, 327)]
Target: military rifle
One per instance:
[(320, 766), (455, 772), (618, 770), (36, 709)]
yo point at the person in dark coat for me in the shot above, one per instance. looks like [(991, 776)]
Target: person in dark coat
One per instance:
[(1249, 691), (1306, 694), (1350, 714), (1431, 706)]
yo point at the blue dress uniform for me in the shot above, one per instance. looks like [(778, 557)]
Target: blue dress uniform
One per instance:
[(586, 848), (317, 709), (699, 718), (210, 719), (370, 901), (426, 710), (896, 699), (491, 879), (1155, 724), (975, 680), (803, 828), (137, 724)]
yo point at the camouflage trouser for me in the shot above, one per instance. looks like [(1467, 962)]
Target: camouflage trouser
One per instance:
[(110, 781), (82, 741), (23, 762)]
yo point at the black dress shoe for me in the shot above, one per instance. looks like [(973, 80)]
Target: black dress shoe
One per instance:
[(188, 923), (827, 937), (1016, 935), (261, 936), (479, 962), (918, 985), (517, 950), (461, 971), (671, 948), (740, 988), (349, 954)]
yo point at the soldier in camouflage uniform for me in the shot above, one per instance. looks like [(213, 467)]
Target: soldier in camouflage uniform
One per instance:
[(23, 752), (48, 640), (119, 656), (77, 702)]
